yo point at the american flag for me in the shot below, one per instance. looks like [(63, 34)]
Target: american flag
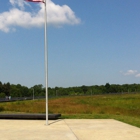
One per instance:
[(36, 1)]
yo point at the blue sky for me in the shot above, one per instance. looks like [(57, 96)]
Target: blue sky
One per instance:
[(89, 42)]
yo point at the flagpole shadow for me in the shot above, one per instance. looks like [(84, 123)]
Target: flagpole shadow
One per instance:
[(55, 121)]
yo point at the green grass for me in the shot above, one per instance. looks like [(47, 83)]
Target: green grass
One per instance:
[(122, 107)]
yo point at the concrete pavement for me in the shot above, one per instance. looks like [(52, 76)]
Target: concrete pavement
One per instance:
[(68, 129)]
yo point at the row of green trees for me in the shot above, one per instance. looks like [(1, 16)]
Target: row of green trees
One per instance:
[(18, 90), (95, 89), (7, 89)]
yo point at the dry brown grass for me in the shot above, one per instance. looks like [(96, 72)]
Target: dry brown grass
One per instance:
[(103, 104), (123, 107), (127, 104)]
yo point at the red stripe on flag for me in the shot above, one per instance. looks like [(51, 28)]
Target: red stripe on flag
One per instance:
[(35, 0)]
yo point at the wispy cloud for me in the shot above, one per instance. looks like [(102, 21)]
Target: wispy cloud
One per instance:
[(130, 72), (137, 75), (17, 16), (19, 3)]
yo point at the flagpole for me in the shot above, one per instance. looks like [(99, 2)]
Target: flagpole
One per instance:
[(46, 60)]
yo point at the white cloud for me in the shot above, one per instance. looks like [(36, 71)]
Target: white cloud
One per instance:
[(130, 72), (138, 75), (17, 16), (19, 3)]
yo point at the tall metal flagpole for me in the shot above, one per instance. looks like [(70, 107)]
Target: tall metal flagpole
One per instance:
[(46, 60), (46, 53)]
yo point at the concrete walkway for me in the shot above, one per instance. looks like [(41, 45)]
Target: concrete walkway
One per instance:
[(68, 129)]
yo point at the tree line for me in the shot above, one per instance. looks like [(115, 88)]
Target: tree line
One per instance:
[(7, 89)]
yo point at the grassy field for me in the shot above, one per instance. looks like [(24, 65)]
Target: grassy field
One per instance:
[(122, 107)]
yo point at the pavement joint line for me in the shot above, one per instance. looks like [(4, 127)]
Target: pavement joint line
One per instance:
[(71, 130)]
